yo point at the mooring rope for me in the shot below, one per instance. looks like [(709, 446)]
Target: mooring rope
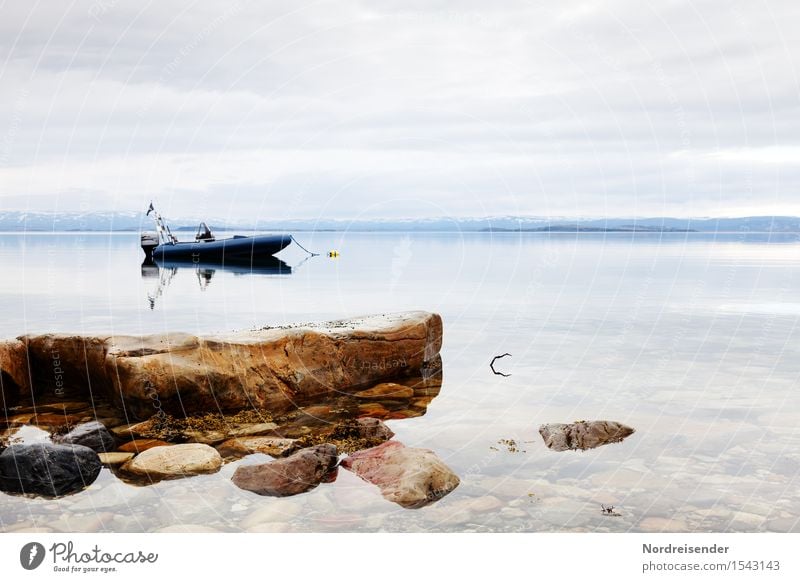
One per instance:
[(302, 247)]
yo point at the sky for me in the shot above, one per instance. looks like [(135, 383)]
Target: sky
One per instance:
[(371, 109)]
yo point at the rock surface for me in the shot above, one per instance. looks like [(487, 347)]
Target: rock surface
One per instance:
[(241, 446), (373, 428), (386, 391), (297, 473), (407, 476), (273, 369), (175, 461), (14, 373), (215, 436), (115, 458), (141, 445), (583, 435), (47, 469), (90, 434)]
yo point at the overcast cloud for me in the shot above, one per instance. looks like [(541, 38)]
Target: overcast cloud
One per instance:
[(388, 109)]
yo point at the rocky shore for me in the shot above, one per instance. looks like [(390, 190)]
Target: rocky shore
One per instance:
[(175, 406)]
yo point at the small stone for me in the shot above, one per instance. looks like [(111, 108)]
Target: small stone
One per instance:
[(386, 390), (175, 461), (464, 510), (662, 524), (115, 458), (141, 445), (297, 473), (187, 528), (372, 409), (278, 510), (273, 446), (91, 434), (216, 436), (269, 528), (54, 420), (784, 525), (64, 407), (373, 428)]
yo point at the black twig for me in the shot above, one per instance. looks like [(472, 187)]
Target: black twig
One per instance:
[(492, 365)]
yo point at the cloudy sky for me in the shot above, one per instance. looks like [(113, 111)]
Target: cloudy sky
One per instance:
[(401, 108)]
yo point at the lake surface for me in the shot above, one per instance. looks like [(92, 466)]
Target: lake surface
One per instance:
[(691, 339)]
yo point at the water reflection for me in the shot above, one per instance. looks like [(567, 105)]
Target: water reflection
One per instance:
[(164, 271), (349, 423)]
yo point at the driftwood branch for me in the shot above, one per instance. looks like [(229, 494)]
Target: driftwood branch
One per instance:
[(494, 359)]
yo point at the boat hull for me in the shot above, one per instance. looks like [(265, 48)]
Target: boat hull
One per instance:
[(236, 249)]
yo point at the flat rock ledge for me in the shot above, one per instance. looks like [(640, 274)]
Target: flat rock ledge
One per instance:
[(272, 369), (583, 435)]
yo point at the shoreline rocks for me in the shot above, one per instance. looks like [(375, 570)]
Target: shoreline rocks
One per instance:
[(410, 477), (297, 473), (583, 435), (274, 368), (48, 469)]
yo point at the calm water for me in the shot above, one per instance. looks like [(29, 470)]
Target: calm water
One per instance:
[(691, 339)]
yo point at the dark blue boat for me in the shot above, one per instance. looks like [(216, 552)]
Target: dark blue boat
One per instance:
[(239, 249), (162, 245)]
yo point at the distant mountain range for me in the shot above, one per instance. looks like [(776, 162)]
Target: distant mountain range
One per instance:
[(135, 221)]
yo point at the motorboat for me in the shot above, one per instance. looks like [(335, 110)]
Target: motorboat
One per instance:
[(162, 245)]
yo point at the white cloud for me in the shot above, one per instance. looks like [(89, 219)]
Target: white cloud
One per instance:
[(405, 107)]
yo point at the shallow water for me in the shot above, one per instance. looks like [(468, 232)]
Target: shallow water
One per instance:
[(690, 339)]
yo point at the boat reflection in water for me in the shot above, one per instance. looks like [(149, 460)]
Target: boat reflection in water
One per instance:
[(165, 270)]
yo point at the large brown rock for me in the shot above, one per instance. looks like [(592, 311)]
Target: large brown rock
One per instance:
[(15, 379), (297, 473), (583, 435), (273, 369), (408, 476)]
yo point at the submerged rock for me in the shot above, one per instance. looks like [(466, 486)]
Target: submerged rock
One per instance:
[(215, 436), (583, 435), (90, 434), (47, 469), (14, 373), (273, 446), (386, 391), (297, 473), (407, 476), (273, 369), (115, 458), (372, 428), (141, 445), (175, 461), (350, 435)]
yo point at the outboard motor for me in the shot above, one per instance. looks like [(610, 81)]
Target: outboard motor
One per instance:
[(149, 242)]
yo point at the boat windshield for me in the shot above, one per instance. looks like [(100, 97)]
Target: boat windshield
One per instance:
[(204, 233)]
